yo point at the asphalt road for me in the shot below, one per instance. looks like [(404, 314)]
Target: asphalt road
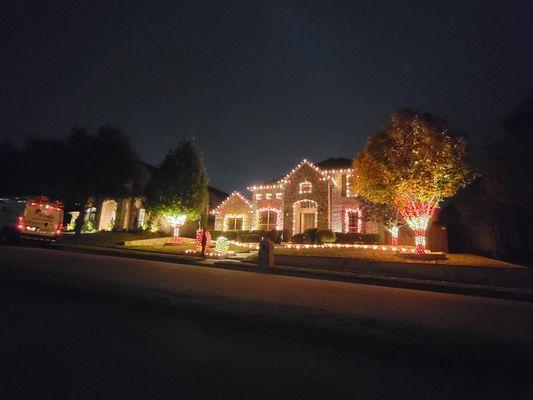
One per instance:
[(85, 326)]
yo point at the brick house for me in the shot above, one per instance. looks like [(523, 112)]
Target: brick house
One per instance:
[(309, 196)]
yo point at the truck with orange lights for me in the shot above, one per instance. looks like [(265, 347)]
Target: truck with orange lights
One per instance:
[(34, 218)]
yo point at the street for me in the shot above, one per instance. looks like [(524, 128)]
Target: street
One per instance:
[(87, 326)]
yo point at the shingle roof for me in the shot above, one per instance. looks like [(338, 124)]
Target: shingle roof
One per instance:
[(335, 163), (328, 163)]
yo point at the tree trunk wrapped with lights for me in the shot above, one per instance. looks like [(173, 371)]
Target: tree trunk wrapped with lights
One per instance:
[(394, 232), (176, 222), (417, 215)]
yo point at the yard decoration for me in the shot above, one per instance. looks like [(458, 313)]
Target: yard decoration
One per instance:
[(198, 240), (176, 222), (413, 163), (178, 190), (222, 245)]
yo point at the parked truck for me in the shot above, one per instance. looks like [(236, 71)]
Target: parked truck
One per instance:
[(34, 218)]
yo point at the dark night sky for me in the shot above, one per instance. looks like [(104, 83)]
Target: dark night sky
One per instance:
[(259, 84)]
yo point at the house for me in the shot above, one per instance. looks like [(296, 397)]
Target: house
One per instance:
[(130, 214), (309, 196)]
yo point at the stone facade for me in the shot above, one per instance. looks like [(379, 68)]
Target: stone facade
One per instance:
[(308, 196), (234, 213)]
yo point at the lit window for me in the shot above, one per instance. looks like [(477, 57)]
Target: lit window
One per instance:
[(258, 196), (234, 224), (278, 196), (268, 196), (353, 222), (306, 187), (140, 220), (90, 214), (268, 220)]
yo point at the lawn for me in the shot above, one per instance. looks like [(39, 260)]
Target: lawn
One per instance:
[(388, 256), (180, 248), (106, 239)]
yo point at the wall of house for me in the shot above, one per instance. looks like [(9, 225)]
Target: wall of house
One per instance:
[(264, 203), (340, 202), (234, 205), (319, 194)]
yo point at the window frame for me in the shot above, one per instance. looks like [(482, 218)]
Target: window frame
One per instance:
[(305, 187)]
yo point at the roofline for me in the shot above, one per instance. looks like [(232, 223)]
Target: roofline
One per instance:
[(281, 182), (235, 193)]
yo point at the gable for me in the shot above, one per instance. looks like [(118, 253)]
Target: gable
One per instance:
[(234, 202)]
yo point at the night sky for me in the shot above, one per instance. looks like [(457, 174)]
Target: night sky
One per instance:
[(259, 84)]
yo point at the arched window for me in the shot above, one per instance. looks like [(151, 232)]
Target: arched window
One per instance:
[(306, 187)]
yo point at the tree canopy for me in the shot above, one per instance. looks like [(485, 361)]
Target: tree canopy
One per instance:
[(413, 158), (180, 185)]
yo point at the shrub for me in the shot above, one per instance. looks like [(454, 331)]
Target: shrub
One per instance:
[(301, 238), (249, 238), (325, 236), (230, 235), (88, 226), (275, 236), (311, 233), (350, 238)]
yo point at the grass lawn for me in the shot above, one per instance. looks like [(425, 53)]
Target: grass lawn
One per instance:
[(179, 249), (163, 249), (377, 255), (106, 239)]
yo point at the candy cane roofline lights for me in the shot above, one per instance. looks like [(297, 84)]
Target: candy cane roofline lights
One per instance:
[(347, 213), (294, 212), (281, 182), (220, 207), (279, 217)]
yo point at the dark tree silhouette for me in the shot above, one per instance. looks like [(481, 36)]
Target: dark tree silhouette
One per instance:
[(178, 191), (494, 214), (83, 165)]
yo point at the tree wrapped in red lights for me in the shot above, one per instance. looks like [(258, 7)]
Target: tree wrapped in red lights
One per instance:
[(413, 163)]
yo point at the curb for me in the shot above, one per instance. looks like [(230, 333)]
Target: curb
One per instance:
[(399, 282), (314, 273)]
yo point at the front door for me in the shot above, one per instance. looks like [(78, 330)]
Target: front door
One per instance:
[(308, 221)]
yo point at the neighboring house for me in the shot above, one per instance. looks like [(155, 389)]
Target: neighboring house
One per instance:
[(130, 214), (309, 196)]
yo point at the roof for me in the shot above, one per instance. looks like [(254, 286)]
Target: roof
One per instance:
[(335, 163), (327, 164), (216, 192), (221, 205)]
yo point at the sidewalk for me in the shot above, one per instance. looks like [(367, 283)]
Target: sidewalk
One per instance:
[(314, 273)]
